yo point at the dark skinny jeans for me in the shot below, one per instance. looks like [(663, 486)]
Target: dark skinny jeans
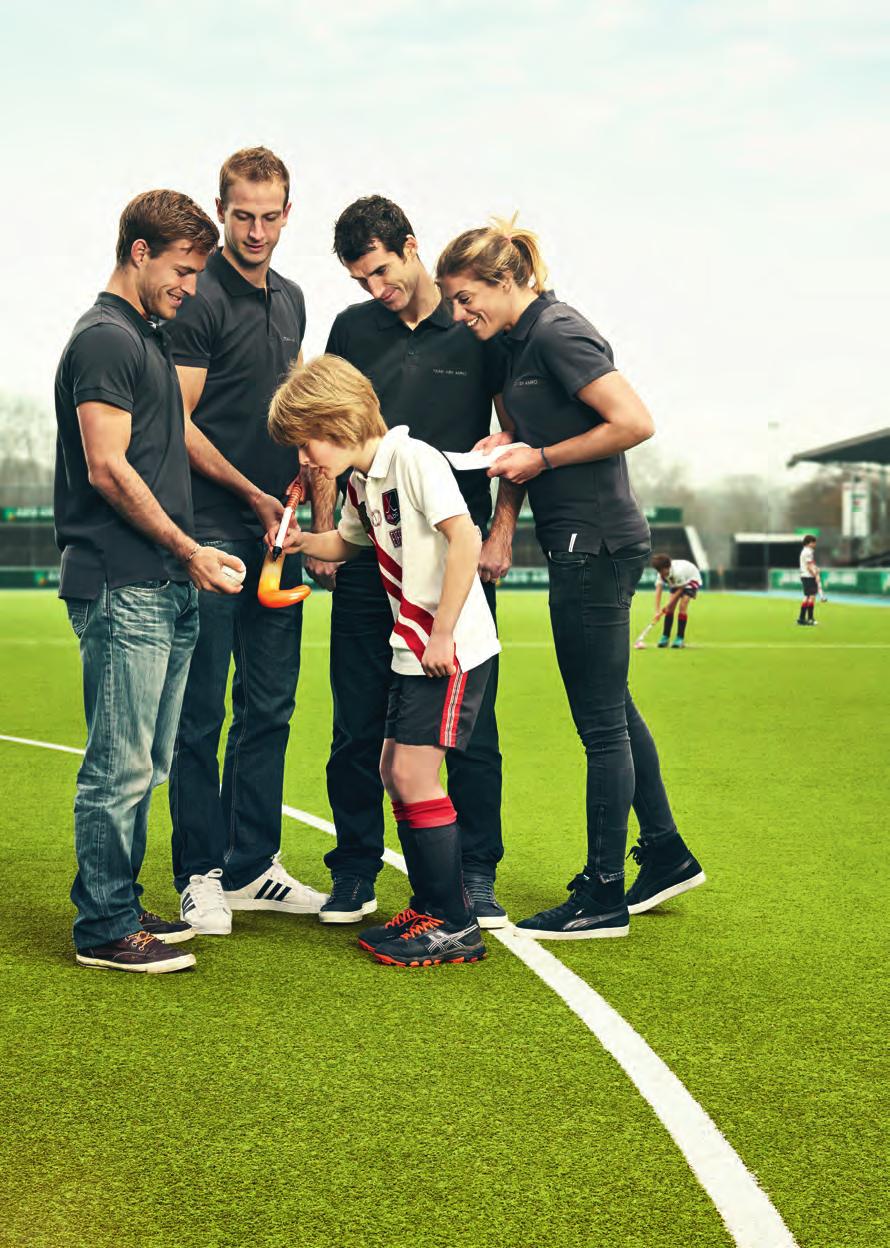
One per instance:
[(590, 597)]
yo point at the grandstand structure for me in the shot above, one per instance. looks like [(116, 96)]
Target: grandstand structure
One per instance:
[(865, 461)]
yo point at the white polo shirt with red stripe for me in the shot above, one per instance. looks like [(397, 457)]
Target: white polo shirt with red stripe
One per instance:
[(408, 490), (682, 573)]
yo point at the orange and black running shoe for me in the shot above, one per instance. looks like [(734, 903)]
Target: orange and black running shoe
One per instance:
[(371, 937), (430, 941)]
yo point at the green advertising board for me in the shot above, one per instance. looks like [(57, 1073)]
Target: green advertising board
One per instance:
[(872, 581), (29, 578), (26, 515)]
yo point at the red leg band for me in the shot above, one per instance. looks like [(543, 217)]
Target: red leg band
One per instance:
[(433, 814)]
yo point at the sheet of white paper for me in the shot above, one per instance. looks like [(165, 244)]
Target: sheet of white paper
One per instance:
[(470, 461)]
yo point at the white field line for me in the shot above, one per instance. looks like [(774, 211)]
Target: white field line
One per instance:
[(750, 1217), (815, 646)]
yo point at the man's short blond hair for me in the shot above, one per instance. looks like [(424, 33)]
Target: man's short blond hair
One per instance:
[(326, 399)]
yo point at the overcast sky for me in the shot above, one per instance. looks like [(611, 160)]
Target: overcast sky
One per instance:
[(709, 181)]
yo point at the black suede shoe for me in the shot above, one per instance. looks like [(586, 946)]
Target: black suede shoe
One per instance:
[(593, 910), (137, 952), (352, 897), (170, 933), (488, 911), (667, 869)]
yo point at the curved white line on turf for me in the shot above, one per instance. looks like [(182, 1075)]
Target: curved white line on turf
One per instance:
[(750, 1217), (43, 745)]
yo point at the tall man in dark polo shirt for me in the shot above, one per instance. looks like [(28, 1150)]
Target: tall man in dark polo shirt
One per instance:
[(433, 376), (123, 515), (233, 345)]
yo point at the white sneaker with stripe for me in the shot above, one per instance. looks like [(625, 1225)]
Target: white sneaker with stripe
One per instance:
[(276, 890), (203, 905)]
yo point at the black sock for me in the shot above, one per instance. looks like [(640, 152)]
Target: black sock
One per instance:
[(681, 626), (810, 607), (668, 624), (408, 841), (442, 881), (803, 612)]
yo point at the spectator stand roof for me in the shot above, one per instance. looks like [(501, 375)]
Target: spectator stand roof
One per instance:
[(868, 448)]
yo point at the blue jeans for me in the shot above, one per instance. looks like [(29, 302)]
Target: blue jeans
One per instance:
[(236, 825), (590, 597), (135, 646)]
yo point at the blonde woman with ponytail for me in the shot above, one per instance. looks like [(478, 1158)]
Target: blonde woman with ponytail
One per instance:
[(577, 415)]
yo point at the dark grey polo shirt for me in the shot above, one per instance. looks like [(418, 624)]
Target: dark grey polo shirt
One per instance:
[(116, 356), (553, 352), (247, 338), (437, 379)]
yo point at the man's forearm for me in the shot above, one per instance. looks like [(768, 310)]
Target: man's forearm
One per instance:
[(506, 510), (123, 488), (322, 497), (211, 463)]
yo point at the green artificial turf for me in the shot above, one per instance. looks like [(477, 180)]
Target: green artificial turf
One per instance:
[(291, 1091)]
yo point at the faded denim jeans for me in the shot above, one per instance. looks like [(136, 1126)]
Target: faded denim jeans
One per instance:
[(135, 647)]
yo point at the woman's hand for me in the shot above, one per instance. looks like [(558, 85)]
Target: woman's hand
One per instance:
[(520, 465)]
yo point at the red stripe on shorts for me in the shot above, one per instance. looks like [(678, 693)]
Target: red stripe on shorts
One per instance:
[(454, 696)]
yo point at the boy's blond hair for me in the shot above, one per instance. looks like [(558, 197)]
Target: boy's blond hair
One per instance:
[(326, 399)]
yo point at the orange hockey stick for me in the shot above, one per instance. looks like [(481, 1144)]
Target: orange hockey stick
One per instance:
[(269, 592)]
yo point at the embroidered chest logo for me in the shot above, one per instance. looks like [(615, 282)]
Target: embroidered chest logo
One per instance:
[(395, 536), (390, 502)]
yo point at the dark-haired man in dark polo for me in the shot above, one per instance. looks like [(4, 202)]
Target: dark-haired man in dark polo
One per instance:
[(232, 347), (432, 375), (123, 516)]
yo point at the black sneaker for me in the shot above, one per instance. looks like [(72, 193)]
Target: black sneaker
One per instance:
[(593, 910), (371, 937), (665, 871), (169, 933), (430, 942), (140, 951), (489, 913), (352, 897)]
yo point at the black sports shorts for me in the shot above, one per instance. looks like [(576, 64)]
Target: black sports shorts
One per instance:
[(437, 710), (809, 586)]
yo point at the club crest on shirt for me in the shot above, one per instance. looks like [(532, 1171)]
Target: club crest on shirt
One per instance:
[(395, 536), (391, 507)]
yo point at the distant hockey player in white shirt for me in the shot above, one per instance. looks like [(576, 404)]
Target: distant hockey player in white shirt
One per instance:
[(683, 580), (403, 501), (810, 580)]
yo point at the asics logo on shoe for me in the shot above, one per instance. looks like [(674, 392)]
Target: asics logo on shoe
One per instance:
[(272, 891), (439, 941)]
